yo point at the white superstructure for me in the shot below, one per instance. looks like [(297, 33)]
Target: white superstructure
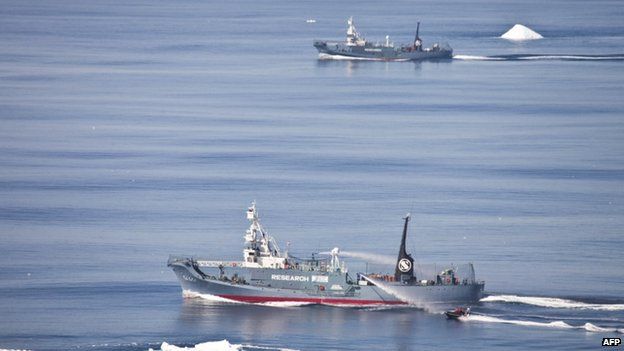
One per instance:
[(261, 250), (353, 37)]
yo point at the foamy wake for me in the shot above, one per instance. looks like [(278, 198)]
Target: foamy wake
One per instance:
[(13, 350), (285, 304), (280, 304), (572, 57), (552, 302), (351, 58), (222, 345), (383, 308), (477, 58), (555, 324), (411, 299), (217, 299), (536, 57), (207, 297)]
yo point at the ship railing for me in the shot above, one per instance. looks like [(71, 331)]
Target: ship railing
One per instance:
[(217, 264), (174, 258), (308, 264), (201, 262)]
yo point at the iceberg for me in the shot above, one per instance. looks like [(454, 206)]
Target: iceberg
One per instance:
[(520, 32)]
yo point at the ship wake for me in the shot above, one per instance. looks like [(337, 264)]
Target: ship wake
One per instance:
[(189, 294), (540, 57), (552, 302), (323, 56), (554, 324), (208, 298)]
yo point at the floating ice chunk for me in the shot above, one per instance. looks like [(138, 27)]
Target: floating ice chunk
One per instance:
[(222, 345), (520, 32)]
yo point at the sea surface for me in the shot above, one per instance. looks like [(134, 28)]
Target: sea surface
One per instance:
[(131, 130)]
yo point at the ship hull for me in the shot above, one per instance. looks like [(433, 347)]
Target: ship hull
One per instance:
[(382, 53), (338, 292)]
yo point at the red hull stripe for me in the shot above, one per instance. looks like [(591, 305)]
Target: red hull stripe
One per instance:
[(333, 301)]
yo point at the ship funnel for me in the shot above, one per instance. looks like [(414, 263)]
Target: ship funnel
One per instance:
[(404, 271)]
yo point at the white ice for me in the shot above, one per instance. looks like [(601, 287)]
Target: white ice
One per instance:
[(222, 345), (520, 32)]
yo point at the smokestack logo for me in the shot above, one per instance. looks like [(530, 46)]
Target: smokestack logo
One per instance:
[(405, 265), (611, 341)]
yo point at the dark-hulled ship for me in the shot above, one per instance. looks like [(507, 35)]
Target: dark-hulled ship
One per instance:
[(356, 47), (268, 275)]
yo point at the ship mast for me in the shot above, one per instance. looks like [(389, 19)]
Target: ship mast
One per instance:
[(260, 248), (417, 41), (353, 37)]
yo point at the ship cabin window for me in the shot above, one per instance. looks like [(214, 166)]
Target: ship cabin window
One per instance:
[(251, 254), (249, 259)]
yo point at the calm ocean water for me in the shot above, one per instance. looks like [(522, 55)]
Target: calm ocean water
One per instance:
[(134, 130)]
